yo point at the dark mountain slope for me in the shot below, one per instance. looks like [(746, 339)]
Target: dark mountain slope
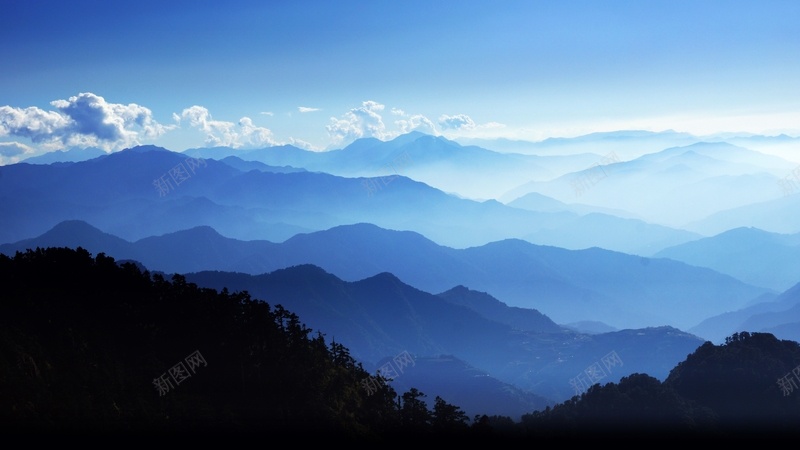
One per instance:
[(488, 306), (84, 340), (621, 290), (718, 392), (380, 316)]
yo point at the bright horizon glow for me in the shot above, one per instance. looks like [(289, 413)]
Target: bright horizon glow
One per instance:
[(319, 75)]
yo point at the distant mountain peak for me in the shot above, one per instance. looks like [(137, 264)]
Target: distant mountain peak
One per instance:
[(304, 268), (74, 154), (73, 225), (385, 277), (146, 148), (204, 231), (460, 289), (414, 134), (75, 229)]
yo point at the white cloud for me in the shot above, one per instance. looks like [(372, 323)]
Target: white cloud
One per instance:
[(267, 113), (413, 122), (457, 122), (218, 133), (83, 120), (306, 109), (364, 121), (13, 152), (303, 144), (14, 149), (36, 124), (227, 134), (416, 122), (254, 136)]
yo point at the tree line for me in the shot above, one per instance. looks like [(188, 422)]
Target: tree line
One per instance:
[(92, 345)]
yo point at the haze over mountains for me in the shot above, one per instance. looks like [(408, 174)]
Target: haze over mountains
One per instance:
[(714, 176), (381, 189), (774, 259), (621, 290), (515, 268)]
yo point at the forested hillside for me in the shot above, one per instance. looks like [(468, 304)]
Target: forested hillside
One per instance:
[(91, 345)]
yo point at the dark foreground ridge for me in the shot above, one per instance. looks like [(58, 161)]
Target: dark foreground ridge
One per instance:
[(90, 347)]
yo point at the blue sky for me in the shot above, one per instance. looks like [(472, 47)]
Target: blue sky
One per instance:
[(318, 74)]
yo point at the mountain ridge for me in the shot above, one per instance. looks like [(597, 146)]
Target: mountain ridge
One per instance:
[(565, 285)]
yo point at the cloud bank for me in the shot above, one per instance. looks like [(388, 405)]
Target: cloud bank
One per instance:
[(84, 120), (88, 120), (13, 152), (364, 121), (457, 122), (220, 133), (367, 121)]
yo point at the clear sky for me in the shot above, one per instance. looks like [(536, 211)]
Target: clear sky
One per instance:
[(318, 74)]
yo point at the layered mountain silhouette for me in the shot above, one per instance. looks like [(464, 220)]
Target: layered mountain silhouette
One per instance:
[(246, 166), (85, 338), (95, 347), (475, 391), (597, 272), (466, 170), (621, 290), (719, 392), (755, 256), (381, 316), (775, 216), (778, 315), (147, 190), (673, 187), (75, 154), (627, 144)]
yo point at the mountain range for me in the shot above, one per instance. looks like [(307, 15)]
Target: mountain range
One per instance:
[(83, 336), (674, 187), (778, 315), (755, 256), (380, 316), (146, 191), (621, 290), (467, 171), (514, 275)]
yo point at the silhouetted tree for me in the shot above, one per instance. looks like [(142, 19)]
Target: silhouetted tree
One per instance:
[(448, 418), (414, 413)]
